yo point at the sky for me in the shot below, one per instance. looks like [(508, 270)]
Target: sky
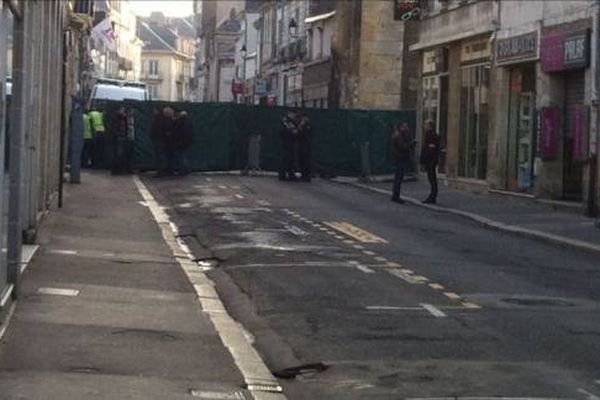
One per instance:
[(174, 8)]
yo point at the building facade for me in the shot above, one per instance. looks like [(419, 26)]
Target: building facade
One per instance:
[(125, 61), (49, 45), (168, 57), (512, 88)]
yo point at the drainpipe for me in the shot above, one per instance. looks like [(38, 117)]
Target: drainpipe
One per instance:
[(593, 186)]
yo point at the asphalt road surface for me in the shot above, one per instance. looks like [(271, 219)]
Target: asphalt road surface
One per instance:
[(395, 301)]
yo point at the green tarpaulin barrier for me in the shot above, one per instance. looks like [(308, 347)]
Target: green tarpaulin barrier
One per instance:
[(222, 133)]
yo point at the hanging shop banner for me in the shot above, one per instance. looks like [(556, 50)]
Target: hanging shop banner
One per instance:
[(565, 51), (550, 128), (475, 50), (579, 132), (517, 49)]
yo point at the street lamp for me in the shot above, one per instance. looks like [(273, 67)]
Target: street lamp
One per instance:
[(293, 28)]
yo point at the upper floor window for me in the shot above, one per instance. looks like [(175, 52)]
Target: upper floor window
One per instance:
[(153, 67)]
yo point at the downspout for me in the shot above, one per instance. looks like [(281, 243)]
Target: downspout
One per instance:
[(593, 189)]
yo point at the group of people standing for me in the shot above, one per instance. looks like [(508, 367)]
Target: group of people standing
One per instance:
[(92, 155), (402, 148), (172, 135), (295, 134)]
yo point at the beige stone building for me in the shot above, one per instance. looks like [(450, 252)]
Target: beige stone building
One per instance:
[(373, 68), (168, 57)]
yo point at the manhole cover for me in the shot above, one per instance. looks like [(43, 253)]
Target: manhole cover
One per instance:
[(537, 302)]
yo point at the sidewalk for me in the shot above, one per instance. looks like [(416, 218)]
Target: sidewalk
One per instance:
[(523, 216), (106, 311)]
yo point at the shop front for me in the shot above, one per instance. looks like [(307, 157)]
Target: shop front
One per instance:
[(475, 71), (434, 102), (565, 57), (518, 55)]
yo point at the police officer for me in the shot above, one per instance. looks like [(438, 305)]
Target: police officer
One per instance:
[(98, 131)]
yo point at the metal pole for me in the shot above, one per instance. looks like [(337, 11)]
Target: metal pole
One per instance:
[(63, 120)]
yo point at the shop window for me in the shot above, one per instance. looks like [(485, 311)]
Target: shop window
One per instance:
[(474, 113)]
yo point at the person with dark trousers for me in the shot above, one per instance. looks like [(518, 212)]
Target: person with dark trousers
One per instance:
[(305, 132), (130, 141), (98, 132), (430, 154), (118, 132), (288, 135), (401, 148), (157, 137), (184, 136), (168, 126)]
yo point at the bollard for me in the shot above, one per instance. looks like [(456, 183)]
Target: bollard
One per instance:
[(365, 160), (254, 154)]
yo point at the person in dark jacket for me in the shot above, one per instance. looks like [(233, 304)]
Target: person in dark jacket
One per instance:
[(430, 154), (183, 140), (118, 132), (402, 146), (305, 132), (288, 135), (157, 137), (168, 131)]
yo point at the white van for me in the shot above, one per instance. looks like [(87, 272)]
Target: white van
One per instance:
[(115, 90)]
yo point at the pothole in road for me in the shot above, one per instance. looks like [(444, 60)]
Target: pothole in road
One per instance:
[(537, 302)]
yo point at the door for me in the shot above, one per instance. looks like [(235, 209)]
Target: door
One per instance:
[(572, 169), (525, 141)]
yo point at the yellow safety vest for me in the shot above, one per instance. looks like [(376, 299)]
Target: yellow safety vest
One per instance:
[(97, 121), (87, 128)]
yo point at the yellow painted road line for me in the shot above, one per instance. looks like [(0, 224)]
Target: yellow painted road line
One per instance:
[(436, 286), (355, 232), (406, 277), (452, 295)]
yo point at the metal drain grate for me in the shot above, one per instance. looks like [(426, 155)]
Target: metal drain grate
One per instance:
[(264, 387)]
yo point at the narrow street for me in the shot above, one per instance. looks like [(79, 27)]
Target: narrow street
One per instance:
[(396, 301)]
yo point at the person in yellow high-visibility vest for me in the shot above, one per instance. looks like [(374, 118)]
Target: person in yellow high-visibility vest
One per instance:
[(98, 131), (88, 139)]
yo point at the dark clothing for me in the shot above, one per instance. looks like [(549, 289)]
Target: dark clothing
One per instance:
[(430, 151), (98, 151), (121, 162), (430, 155), (87, 153), (288, 135), (184, 134), (158, 141), (304, 149), (399, 171), (402, 145), (432, 177)]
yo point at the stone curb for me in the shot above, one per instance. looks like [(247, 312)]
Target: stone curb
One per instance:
[(490, 223)]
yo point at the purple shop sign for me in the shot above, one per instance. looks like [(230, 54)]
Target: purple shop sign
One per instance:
[(579, 132), (552, 53), (550, 127)]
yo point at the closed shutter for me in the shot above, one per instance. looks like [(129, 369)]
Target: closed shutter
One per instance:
[(572, 171)]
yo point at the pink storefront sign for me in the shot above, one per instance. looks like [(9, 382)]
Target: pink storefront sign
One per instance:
[(550, 127), (552, 53)]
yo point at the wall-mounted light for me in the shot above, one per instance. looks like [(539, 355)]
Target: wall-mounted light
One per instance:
[(293, 28)]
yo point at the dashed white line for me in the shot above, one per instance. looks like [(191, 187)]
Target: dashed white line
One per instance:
[(359, 247), (392, 308), (58, 291), (381, 259), (452, 295), (433, 310), (239, 196), (436, 286), (393, 264), (222, 187), (365, 269), (369, 252)]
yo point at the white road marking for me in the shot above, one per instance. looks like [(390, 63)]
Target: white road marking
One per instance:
[(359, 247), (8, 317), (355, 232), (590, 395), (263, 203), (143, 203), (381, 259), (222, 187), (369, 252), (208, 179), (452, 295), (392, 308), (66, 252), (338, 237), (58, 291), (295, 230), (349, 241), (436, 286), (471, 306), (483, 398), (433, 310), (257, 375), (409, 278), (365, 269), (239, 196), (393, 264)]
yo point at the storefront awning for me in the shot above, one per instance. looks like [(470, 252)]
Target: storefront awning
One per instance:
[(448, 39)]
